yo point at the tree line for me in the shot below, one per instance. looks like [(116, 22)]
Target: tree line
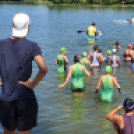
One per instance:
[(101, 2)]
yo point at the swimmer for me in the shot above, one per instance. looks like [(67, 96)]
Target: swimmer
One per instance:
[(107, 82), (62, 61), (84, 61), (127, 53), (117, 45), (106, 59), (114, 60), (95, 57), (123, 124), (76, 71)]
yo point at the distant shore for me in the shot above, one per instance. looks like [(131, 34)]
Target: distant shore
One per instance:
[(48, 3)]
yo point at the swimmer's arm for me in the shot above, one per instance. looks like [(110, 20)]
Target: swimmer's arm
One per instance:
[(119, 61), (90, 54), (68, 78), (113, 117), (132, 56), (99, 84), (102, 58), (108, 63), (66, 60), (117, 85), (55, 61), (86, 72), (89, 63), (114, 46)]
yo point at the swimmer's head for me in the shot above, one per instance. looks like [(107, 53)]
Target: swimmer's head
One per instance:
[(108, 70), (76, 58), (129, 46), (114, 51), (63, 50), (84, 54), (109, 52), (117, 43), (100, 51), (128, 105), (96, 47)]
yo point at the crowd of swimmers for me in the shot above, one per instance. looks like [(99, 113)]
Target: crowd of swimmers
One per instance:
[(93, 60)]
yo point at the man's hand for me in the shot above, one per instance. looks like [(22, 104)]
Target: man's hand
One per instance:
[(96, 91), (62, 85), (1, 83), (27, 84)]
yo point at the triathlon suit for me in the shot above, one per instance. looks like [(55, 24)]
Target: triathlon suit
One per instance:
[(61, 62), (128, 124), (107, 59), (84, 62), (127, 55), (95, 60), (115, 62), (77, 79), (107, 89), (132, 63)]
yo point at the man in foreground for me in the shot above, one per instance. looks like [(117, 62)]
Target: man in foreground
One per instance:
[(123, 124), (19, 107)]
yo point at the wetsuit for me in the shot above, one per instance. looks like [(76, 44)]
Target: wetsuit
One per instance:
[(95, 60), (128, 124), (107, 89), (61, 68), (114, 62), (77, 79), (84, 62)]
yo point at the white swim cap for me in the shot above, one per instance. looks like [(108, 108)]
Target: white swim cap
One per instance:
[(114, 51)]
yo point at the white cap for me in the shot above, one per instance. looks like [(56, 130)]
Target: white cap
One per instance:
[(21, 22), (114, 51)]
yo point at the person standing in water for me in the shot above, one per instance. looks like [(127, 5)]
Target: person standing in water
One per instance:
[(91, 31), (114, 60), (62, 61), (127, 53), (117, 45), (84, 61), (76, 71), (95, 57), (123, 124), (107, 82), (108, 56), (19, 107)]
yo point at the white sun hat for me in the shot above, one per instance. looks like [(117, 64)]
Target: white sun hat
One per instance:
[(21, 22)]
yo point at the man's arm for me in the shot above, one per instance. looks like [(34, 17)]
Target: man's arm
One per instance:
[(68, 78), (89, 63), (66, 60), (99, 84), (42, 72), (117, 85), (113, 117)]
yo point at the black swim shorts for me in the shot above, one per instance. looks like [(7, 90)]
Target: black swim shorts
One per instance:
[(20, 114)]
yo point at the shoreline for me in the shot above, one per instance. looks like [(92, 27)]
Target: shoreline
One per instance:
[(68, 5)]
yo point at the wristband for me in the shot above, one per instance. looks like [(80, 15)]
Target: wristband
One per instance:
[(119, 107)]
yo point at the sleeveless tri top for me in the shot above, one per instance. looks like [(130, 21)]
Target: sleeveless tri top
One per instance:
[(107, 89), (95, 60), (77, 79), (61, 63), (115, 62), (128, 124)]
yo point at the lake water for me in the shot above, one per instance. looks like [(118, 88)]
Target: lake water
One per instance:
[(60, 111)]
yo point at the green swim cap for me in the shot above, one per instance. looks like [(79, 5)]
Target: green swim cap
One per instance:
[(108, 51), (84, 54), (108, 70), (63, 50)]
